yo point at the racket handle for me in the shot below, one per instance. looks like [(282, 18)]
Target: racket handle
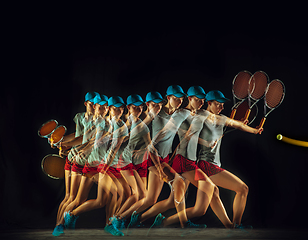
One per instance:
[(262, 122), (247, 114), (233, 113)]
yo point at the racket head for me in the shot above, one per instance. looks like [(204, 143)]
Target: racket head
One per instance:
[(53, 166), (258, 84), (57, 135), (242, 109), (240, 85), (274, 95), (47, 128)]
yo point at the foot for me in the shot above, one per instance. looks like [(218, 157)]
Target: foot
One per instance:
[(59, 229), (114, 231), (118, 223), (134, 219), (158, 220), (190, 224), (70, 220), (241, 226)]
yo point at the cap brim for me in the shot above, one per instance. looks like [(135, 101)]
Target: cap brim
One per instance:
[(158, 100), (201, 96), (136, 103), (102, 102), (178, 95), (117, 104), (222, 100)]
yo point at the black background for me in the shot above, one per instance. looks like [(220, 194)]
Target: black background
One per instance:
[(54, 57)]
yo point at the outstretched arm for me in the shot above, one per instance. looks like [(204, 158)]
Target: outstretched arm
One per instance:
[(243, 127)]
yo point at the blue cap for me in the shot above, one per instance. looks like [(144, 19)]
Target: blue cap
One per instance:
[(176, 91), (217, 96), (134, 99), (196, 91), (90, 96), (101, 100), (154, 97), (115, 101)]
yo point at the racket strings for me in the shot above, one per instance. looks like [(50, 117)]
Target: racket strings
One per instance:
[(258, 85), (241, 85), (274, 94)]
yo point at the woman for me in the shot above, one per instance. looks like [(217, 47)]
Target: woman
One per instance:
[(137, 175), (184, 164), (164, 127), (71, 178), (107, 191), (209, 158), (89, 155)]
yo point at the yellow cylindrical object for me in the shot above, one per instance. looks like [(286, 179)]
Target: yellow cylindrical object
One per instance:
[(233, 113), (292, 141)]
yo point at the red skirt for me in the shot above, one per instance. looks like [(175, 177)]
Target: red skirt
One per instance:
[(181, 164), (111, 171), (89, 171), (77, 168), (68, 165), (150, 162), (209, 168), (142, 169)]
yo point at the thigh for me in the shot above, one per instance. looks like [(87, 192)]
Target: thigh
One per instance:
[(106, 184), (130, 179), (227, 180), (126, 187), (140, 182), (155, 186), (194, 176)]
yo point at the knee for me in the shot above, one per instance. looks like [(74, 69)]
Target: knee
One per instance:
[(216, 192), (134, 197), (198, 212), (142, 194), (150, 201), (244, 189)]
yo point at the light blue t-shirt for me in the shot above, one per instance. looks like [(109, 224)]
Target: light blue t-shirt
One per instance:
[(164, 128), (212, 131), (119, 130), (137, 130)]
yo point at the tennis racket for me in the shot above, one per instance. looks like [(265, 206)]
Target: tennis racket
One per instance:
[(242, 108), (274, 96), (240, 86), (57, 135), (257, 87), (53, 166), (47, 128)]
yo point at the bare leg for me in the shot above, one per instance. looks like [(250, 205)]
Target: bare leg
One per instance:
[(75, 182), (155, 186), (219, 209), (203, 198), (67, 194), (229, 181), (105, 188), (82, 195), (142, 194), (130, 179), (176, 197)]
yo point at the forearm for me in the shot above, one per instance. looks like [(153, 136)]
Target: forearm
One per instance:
[(241, 126)]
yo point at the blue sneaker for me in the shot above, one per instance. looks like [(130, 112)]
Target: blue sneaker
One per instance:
[(69, 220), (59, 229), (157, 222), (134, 220), (190, 224), (118, 223), (241, 226), (114, 231)]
